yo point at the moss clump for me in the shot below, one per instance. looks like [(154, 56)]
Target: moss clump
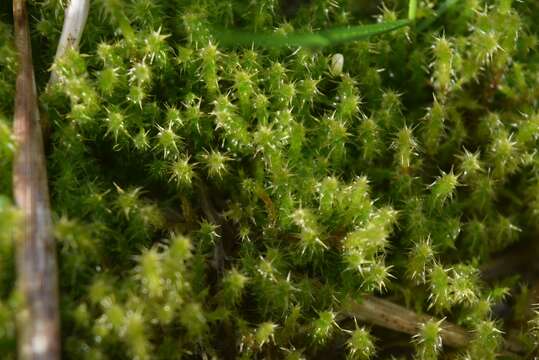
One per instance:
[(224, 202)]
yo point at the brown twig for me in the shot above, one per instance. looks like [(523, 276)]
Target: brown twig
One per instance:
[(395, 317), (37, 278)]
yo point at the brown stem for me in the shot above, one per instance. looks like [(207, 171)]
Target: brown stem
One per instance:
[(395, 317), (37, 278)]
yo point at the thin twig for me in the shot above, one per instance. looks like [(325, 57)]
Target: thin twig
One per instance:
[(37, 274), (75, 18), (395, 317)]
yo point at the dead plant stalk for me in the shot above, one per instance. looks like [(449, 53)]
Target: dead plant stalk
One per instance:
[(37, 278)]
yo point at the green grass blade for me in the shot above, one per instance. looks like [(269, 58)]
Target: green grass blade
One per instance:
[(317, 39), (412, 9), (361, 32), (241, 38), (441, 10)]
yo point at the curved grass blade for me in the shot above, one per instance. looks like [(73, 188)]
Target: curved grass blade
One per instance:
[(441, 10), (317, 39)]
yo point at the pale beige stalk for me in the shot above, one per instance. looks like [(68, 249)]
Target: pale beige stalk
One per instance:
[(386, 314), (75, 18), (37, 274)]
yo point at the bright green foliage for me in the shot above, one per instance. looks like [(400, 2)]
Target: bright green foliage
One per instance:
[(360, 345), (487, 339), (429, 341), (224, 199), (320, 39)]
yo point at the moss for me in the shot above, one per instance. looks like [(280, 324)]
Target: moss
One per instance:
[(224, 201)]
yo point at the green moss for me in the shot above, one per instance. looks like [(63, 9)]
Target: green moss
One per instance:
[(224, 202)]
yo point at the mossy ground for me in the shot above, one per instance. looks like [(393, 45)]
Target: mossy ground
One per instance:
[(223, 202)]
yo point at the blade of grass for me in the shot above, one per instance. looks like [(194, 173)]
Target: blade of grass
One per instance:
[(318, 39), (412, 9), (38, 322), (425, 23)]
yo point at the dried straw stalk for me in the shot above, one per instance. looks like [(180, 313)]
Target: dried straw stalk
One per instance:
[(75, 18), (395, 317), (37, 274)]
